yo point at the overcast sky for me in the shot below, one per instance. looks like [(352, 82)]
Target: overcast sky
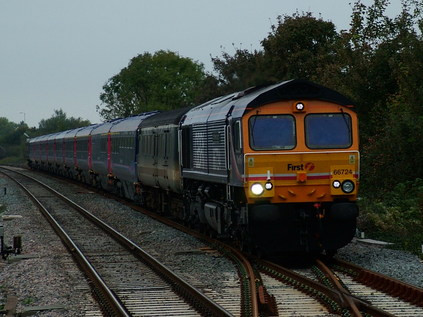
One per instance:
[(57, 54)]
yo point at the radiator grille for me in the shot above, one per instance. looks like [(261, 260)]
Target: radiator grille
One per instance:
[(209, 148)]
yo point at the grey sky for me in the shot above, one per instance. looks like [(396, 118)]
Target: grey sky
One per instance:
[(58, 54)]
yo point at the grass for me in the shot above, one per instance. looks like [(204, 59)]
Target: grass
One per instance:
[(27, 301), (13, 160)]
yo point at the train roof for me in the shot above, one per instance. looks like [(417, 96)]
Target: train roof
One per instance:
[(52, 136), (237, 104), (105, 127), (45, 137), (34, 139), (132, 123), (164, 118), (86, 131), (71, 133), (62, 134)]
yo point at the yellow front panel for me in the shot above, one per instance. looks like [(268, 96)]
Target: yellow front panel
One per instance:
[(300, 177)]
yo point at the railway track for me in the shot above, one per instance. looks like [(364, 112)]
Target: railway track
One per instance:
[(388, 294), (309, 292), (345, 289), (126, 280), (329, 288)]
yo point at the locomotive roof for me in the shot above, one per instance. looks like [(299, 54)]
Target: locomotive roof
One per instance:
[(297, 89)]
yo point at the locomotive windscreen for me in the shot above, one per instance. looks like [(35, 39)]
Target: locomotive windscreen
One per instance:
[(272, 132), (328, 131)]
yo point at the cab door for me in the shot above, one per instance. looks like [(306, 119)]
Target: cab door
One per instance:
[(235, 152)]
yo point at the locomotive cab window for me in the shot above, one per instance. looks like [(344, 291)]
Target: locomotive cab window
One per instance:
[(328, 131), (272, 132)]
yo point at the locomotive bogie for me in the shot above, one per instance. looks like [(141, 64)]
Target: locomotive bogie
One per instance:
[(295, 227)]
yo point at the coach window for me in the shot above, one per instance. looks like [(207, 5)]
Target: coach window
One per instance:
[(328, 131), (69, 148), (272, 132), (103, 146)]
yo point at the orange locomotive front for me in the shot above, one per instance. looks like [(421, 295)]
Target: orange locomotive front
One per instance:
[(301, 172)]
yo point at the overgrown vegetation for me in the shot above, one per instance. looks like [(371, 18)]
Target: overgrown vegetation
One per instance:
[(396, 217), (377, 63)]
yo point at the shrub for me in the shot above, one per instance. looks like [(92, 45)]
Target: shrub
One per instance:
[(396, 217)]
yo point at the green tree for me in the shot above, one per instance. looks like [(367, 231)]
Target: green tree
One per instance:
[(60, 122), (374, 59), (12, 138), (163, 80), (385, 65), (298, 45), (243, 69), (6, 126)]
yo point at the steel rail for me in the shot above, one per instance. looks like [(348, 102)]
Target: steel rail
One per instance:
[(335, 300), (248, 279), (250, 293), (196, 298), (354, 310), (107, 299), (388, 285)]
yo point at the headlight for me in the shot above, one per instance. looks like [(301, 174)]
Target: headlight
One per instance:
[(336, 184), (257, 189), (268, 185), (348, 186), (299, 106)]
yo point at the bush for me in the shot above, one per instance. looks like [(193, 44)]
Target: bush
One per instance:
[(397, 217)]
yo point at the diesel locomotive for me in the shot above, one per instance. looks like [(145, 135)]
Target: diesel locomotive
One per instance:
[(274, 168)]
